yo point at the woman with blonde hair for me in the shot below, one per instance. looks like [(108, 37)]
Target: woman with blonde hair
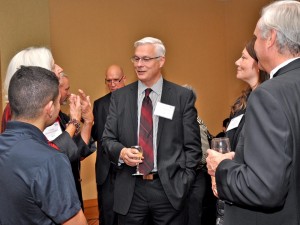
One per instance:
[(32, 56)]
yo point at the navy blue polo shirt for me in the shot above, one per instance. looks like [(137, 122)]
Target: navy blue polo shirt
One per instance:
[(36, 181)]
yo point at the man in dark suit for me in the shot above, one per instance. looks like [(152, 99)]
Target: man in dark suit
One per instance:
[(106, 171), (261, 184), (171, 141), (77, 138)]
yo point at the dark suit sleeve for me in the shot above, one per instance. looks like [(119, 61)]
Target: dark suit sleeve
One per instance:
[(110, 141), (259, 174), (100, 112), (74, 148), (67, 146), (192, 141), (85, 149)]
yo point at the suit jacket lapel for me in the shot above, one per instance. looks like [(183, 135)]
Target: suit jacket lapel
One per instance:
[(165, 98), (133, 98)]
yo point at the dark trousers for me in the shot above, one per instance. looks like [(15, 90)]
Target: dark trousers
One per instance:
[(195, 201), (209, 203), (106, 200), (201, 204), (150, 205)]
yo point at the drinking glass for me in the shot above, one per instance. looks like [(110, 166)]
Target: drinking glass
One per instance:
[(221, 145), (139, 156)]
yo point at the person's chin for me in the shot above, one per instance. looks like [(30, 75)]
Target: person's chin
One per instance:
[(142, 76), (239, 76)]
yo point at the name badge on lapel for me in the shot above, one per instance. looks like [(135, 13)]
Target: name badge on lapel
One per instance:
[(234, 123), (164, 110), (53, 131)]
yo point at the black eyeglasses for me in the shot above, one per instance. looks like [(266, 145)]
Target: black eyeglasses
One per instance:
[(145, 59), (115, 81)]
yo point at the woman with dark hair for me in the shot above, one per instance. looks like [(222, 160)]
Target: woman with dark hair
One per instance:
[(248, 71)]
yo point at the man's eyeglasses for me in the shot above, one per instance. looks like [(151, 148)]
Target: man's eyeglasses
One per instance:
[(145, 59), (115, 81)]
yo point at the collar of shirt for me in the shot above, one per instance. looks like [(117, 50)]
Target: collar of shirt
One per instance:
[(156, 88), (281, 65), (25, 128)]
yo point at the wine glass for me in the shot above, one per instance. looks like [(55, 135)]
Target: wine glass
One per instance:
[(139, 156), (221, 145)]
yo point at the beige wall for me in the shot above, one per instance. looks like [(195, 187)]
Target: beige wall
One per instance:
[(22, 24), (203, 39)]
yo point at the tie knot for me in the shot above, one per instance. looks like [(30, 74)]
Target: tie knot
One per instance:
[(147, 92)]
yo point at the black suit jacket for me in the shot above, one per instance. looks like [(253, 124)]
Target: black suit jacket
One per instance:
[(263, 181), (100, 112), (77, 145), (178, 143)]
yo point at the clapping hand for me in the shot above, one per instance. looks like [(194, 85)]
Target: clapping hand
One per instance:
[(75, 107), (86, 107)]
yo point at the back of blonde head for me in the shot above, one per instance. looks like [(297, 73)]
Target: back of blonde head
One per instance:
[(32, 56)]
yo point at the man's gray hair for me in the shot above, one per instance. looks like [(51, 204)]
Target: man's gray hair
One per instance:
[(284, 17), (159, 46), (62, 75)]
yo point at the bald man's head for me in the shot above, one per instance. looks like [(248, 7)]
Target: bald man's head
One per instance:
[(114, 78)]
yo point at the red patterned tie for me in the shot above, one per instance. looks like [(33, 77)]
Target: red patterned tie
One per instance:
[(146, 134)]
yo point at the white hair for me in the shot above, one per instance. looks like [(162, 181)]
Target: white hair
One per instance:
[(159, 46), (284, 17), (32, 56)]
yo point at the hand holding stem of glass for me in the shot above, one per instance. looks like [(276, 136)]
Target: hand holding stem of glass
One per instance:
[(139, 156), (221, 145)]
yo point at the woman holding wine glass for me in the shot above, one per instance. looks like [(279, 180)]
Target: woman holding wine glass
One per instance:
[(248, 71)]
